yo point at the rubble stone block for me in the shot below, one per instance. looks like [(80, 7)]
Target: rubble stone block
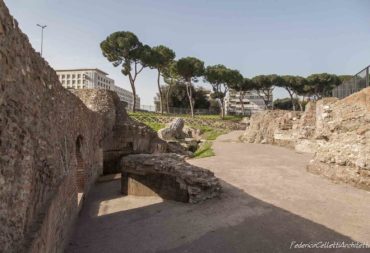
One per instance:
[(168, 176)]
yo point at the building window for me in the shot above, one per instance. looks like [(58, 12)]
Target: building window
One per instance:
[(67, 81), (68, 76), (63, 82), (78, 81), (73, 76), (73, 81), (63, 76), (79, 76)]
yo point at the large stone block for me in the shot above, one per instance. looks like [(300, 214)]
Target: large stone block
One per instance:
[(169, 176)]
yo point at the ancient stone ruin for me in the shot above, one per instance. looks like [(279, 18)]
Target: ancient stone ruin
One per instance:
[(336, 131), (53, 145), (121, 135), (168, 176), (180, 138)]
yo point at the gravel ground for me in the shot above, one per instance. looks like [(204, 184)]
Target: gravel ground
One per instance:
[(269, 204)]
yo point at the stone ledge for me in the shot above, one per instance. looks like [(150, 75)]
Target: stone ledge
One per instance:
[(357, 177), (168, 176)]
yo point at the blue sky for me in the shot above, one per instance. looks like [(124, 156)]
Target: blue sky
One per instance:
[(256, 37)]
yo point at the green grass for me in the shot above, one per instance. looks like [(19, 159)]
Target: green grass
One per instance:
[(154, 125), (214, 117), (205, 150), (209, 133)]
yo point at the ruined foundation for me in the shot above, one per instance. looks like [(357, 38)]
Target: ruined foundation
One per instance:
[(168, 176), (336, 131), (152, 184)]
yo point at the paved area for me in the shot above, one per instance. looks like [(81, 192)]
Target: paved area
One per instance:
[(269, 204)]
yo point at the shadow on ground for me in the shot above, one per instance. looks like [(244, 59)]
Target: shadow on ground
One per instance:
[(236, 222)]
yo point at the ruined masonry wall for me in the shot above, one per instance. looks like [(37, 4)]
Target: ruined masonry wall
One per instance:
[(40, 122), (336, 131), (122, 135)]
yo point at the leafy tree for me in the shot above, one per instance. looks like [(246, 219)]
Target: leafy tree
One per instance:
[(293, 85), (234, 78), (125, 49), (171, 77), (177, 96), (161, 58), (286, 103), (343, 78), (190, 69), (221, 78), (264, 84), (201, 100), (242, 88), (320, 85)]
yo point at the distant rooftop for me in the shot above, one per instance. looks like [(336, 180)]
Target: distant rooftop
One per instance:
[(82, 69)]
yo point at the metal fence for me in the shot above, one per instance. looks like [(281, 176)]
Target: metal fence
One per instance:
[(356, 83), (177, 110), (148, 108)]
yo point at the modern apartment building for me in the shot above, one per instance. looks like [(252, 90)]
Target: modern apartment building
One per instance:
[(85, 79), (252, 102), (95, 79)]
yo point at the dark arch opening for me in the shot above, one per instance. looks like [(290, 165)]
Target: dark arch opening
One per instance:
[(80, 166)]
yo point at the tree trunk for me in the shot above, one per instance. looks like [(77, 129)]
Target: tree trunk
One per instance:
[(300, 103), (190, 97), (241, 98), (168, 98), (222, 108), (160, 91), (222, 111), (292, 99), (300, 106), (132, 82), (265, 97)]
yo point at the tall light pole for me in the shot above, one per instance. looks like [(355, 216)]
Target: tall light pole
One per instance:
[(42, 35)]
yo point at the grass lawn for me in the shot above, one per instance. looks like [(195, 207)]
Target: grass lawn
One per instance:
[(208, 133), (215, 117), (205, 150), (154, 125)]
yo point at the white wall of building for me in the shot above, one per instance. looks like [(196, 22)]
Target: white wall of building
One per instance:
[(252, 102), (95, 79), (128, 97)]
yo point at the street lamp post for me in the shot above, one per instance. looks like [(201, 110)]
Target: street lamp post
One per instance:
[(42, 35)]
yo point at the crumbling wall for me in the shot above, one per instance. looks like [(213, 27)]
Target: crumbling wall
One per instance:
[(53, 145), (336, 131), (122, 135), (343, 126), (40, 123), (273, 127)]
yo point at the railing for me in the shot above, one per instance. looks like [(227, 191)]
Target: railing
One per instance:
[(358, 82), (149, 108), (177, 110)]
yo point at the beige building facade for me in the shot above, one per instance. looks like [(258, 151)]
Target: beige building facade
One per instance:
[(252, 102), (95, 79)]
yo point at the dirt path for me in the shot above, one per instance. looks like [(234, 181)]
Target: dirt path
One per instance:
[(269, 202)]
